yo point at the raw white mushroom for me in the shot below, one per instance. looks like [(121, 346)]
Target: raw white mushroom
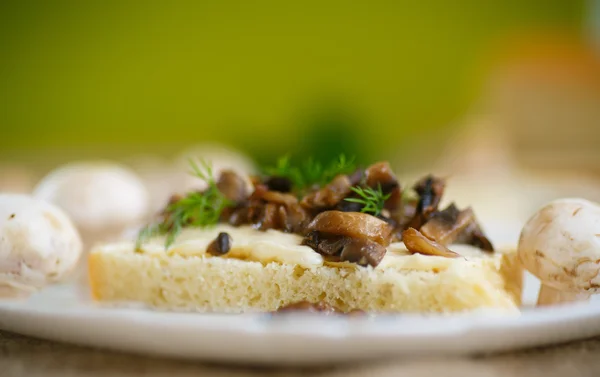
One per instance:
[(158, 176), (102, 198), (38, 244), (220, 158), (560, 245)]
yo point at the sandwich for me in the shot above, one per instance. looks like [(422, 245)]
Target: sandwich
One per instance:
[(339, 237)]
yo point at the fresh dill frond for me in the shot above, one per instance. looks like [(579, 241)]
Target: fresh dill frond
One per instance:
[(284, 169), (196, 209), (341, 165), (310, 172), (372, 200), (206, 175), (146, 233)]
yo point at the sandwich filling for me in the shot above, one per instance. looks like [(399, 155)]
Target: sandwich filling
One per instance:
[(313, 216), (248, 243)]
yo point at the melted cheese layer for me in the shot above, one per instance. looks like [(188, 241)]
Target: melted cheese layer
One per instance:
[(285, 248)]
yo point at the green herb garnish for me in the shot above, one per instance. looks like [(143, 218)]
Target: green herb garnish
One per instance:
[(196, 209), (371, 199), (311, 172)]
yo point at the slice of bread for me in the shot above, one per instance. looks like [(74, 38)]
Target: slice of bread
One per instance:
[(401, 283)]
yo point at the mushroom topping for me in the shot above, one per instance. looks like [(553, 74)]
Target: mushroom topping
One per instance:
[(281, 184), (233, 186), (353, 225), (220, 245), (269, 210), (473, 235), (560, 245), (416, 242), (295, 219), (360, 251), (326, 245), (351, 218), (445, 226), (356, 177), (430, 190), (269, 218), (330, 195), (381, 175), (279, 198), (363, 252), (347, 206)]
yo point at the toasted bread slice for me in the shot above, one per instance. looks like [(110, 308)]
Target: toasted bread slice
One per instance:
[(251, 279)]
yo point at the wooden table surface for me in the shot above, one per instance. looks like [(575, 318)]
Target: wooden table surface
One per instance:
[(22, 356)]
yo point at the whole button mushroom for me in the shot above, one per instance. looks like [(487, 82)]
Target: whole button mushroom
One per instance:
[(38, 245), (560, 245), (102, 198), (158, 176)]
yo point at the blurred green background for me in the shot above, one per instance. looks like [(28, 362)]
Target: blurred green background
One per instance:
[(85, 79)]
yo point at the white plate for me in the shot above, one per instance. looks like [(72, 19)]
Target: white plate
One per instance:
[(65, 313)]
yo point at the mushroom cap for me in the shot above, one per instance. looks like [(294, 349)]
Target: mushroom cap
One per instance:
[(560, 245), (220, 158), (38, 244), (96, 195), (158, 176)]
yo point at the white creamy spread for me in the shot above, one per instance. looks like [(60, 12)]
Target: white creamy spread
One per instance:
[(275, 246)]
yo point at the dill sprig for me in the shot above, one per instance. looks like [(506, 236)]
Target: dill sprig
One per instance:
[(372, 200), (196, 209), (310, 172)]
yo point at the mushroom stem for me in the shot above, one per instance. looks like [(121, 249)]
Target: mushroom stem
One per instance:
[(552, 296)]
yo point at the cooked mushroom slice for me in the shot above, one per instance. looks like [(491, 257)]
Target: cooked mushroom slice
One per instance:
[(259, 192), (381, 175), (356, 177), (235, 216), (312, 239), (233, 186), (430, 190), (346, 206), (220, 245), (269, 218), (296, 218), (325, 245), (403, 216), (446, 226), (262, 192), (353, 225), (254, 211), (332, 246), (416, 242), (473, 235), (363, 252), (281, 184), (330, 195), (480, 240), (269, 210), (279, 198)]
